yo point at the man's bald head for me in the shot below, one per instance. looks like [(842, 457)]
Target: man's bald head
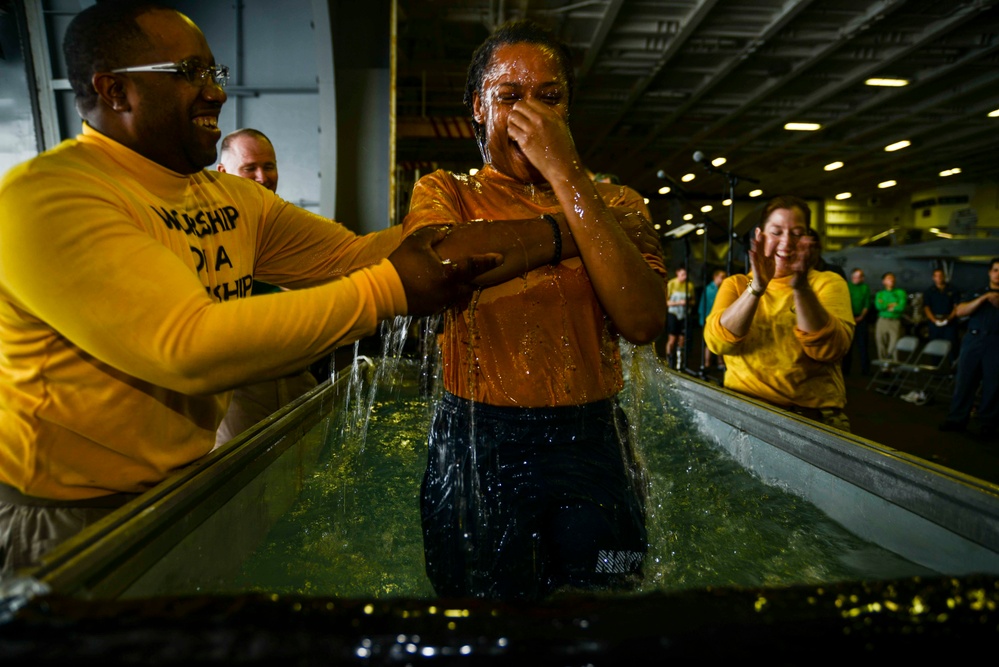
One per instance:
[(248, 153)]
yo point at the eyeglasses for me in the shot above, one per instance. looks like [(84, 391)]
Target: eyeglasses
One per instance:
[(198, 75)]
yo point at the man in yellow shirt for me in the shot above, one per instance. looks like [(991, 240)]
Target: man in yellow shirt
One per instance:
[(124, 268), (679, 294)]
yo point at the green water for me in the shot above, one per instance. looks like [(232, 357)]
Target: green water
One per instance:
[(355, 531)]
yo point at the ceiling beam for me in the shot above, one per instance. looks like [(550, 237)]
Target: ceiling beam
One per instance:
[(859, 25), (599, 37), (929, 34), (888, 95), (690, 24)]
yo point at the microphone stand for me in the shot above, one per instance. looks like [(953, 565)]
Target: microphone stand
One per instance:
[(733, 180), (708, 220)]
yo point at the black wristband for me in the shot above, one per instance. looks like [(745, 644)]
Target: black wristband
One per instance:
[(557, 233)]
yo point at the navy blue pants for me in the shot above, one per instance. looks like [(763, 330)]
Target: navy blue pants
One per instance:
[(546, 497), (977, 365)]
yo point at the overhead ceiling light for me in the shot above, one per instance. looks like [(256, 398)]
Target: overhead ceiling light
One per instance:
[(688, 216), (726, 202), (646, 200), (718, 161), (887, 82), (844, 195), (656, 227), (994, 114), (687, 178), (700, 231), (950, 172), (802, 127), (887, 184), (707, 208), (664, 190), (898, 145), (473, 171), (833, 166), (756, 193)]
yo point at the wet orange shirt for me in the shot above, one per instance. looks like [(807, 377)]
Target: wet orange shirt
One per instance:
[(541, 339)]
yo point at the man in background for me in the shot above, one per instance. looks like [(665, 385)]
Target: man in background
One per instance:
[(248, 153), (679, 293), (890, 304), (860, 302), (978, 364), (940, 307)]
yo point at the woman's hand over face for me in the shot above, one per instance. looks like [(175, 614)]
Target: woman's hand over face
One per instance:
[(543, 136)]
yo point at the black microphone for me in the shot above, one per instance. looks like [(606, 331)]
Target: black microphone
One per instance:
[(701, 158)]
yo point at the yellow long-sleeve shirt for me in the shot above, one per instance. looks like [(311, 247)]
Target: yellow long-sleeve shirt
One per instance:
[(123, 317), (776, 361)]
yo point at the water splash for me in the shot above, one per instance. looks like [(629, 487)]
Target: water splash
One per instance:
[(356, 529), (366, 377)]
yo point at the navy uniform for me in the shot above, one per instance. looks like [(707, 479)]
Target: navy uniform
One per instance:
[(941, 303), (978, 364)]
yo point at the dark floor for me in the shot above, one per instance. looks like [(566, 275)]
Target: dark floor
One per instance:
[(910, 428), (913, 429)]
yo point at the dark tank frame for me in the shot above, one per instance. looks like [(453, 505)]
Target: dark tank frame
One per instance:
[(110, 589)]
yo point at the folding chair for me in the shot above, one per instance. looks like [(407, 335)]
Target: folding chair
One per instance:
[(932, 361), (942, 380), (884, 374)]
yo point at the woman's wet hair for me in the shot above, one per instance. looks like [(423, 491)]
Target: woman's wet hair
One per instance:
[(789, 202), (514, 32)]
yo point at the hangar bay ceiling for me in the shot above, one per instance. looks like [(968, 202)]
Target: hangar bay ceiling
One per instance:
[(659, 80)]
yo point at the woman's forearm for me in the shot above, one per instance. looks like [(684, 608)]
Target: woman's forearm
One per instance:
[(811, 315), (738, 317), (630, 292), (525, 244)]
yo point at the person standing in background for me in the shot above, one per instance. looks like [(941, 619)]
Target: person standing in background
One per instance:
[(978, 364), (940, 307), (704, 309), (248, 153), (679, 293), (785, 327), (890, 304), (860, 302)]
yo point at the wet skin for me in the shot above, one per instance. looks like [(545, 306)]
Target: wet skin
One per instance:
[(523, 106)]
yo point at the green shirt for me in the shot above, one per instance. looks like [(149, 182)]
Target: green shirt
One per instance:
[(885, 297), (860, 297)]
